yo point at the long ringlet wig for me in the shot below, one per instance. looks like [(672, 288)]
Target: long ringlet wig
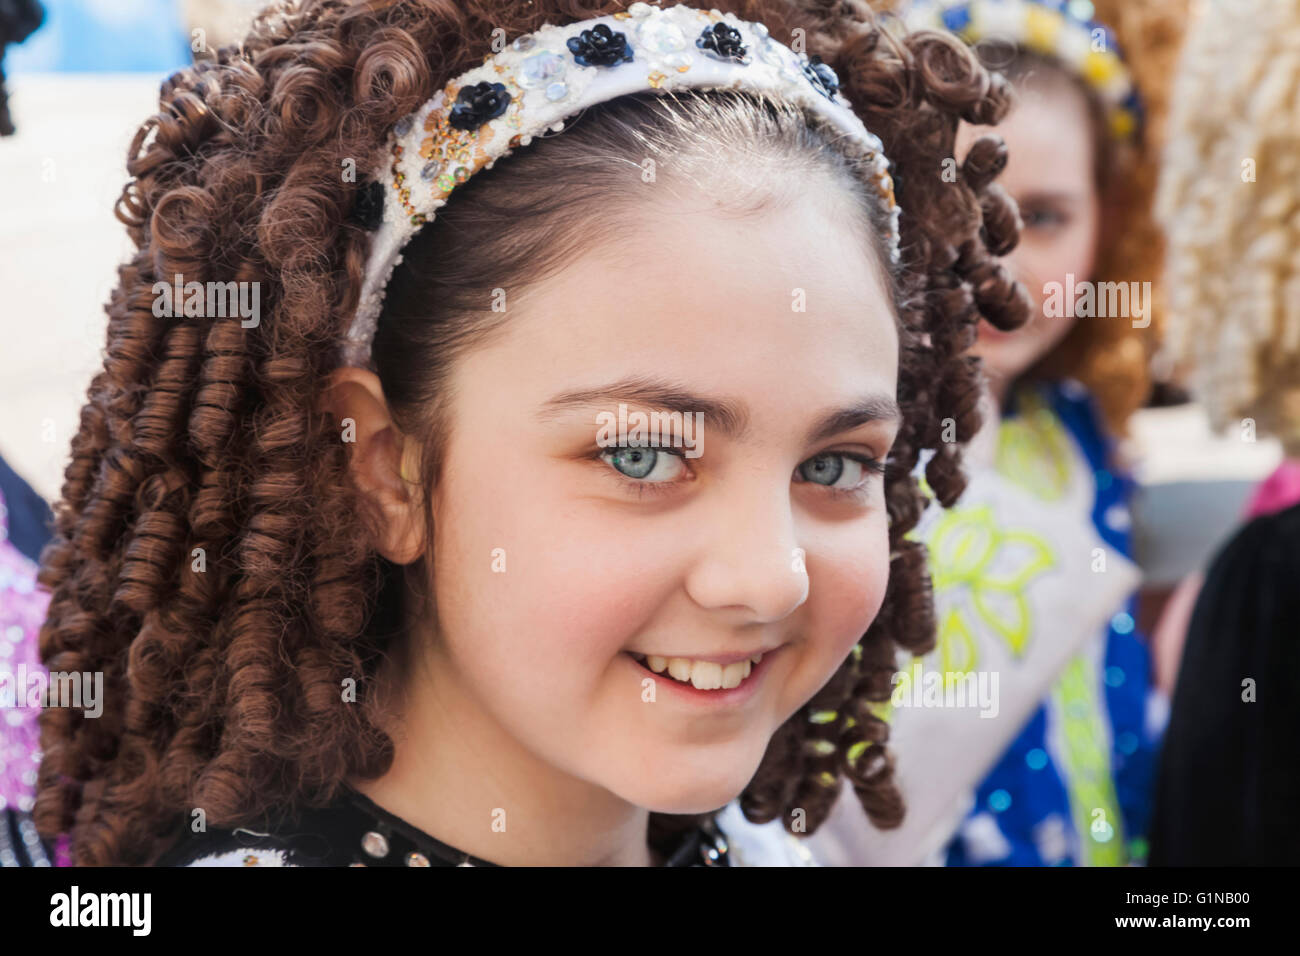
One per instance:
[(223, 686)]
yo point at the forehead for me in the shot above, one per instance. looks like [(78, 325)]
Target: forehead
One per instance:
[(1048, 135), (789, 300)]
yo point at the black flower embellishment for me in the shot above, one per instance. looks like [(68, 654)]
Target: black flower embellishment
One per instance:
[(599, 46), (722, 41), (822, 77), (477, 104), (368, 206)]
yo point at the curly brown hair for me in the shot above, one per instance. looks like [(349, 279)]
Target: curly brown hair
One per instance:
[(202, 442)]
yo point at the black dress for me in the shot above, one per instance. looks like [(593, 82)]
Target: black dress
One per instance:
[(1228, 792), (355, 831)]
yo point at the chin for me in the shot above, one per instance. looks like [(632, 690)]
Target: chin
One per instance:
[(689, 792), (1005, 359), (698, 800)]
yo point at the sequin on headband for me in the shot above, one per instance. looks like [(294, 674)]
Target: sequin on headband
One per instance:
[(546, 77)]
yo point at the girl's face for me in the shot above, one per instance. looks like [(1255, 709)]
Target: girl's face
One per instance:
[(559, 563), (1050, 175)]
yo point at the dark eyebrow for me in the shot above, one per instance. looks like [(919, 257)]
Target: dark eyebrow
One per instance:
[(870, 408), (729, 417), (1052, 195)]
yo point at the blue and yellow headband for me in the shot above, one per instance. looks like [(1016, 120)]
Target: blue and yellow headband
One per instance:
[(1060, 29)]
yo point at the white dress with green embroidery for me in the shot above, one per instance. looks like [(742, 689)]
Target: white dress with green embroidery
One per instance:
[(1026, 593)]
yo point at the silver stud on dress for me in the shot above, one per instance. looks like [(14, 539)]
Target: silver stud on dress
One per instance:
[(715, 850), (375, 844)]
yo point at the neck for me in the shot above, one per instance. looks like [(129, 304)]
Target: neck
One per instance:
[(982, 450), (461, 777), (996, 390)]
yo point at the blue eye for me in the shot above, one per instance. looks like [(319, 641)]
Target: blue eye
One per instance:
[(824, 469), (1043, 218), (645, 470), (644, 464), (829, 468)]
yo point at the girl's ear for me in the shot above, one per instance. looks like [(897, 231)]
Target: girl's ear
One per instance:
[(383, 460)]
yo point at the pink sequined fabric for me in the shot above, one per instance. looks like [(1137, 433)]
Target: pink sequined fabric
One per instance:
[(22, 611)]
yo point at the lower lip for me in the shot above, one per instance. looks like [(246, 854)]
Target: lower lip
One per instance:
[(728, 697)]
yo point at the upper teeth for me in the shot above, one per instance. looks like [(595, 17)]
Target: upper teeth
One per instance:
[(704, 675)]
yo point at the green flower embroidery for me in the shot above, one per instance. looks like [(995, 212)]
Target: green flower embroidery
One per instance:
[(1034, 449), (977, 565), (980, 571), (957, 651)]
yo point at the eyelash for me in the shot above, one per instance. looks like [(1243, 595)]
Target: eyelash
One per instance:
[(873, 466), (1057, 218)]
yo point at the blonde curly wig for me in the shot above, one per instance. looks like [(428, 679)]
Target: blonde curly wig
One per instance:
[(1229, 199)]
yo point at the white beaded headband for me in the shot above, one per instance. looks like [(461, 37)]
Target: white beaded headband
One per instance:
[(546, 77)]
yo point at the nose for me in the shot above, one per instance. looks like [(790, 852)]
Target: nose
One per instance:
[(749, 557)]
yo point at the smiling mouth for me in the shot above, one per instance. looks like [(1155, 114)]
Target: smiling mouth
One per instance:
[(702, 675)]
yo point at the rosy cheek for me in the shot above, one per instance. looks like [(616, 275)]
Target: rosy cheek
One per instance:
[(583, 587), (850, 585)]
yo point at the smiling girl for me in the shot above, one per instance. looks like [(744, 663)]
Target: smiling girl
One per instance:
[(367, 583)]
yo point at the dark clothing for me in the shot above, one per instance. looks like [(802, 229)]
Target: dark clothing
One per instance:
[(19, 19), (20, 844), (355, 831), (1228, 792), (29, 517)]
